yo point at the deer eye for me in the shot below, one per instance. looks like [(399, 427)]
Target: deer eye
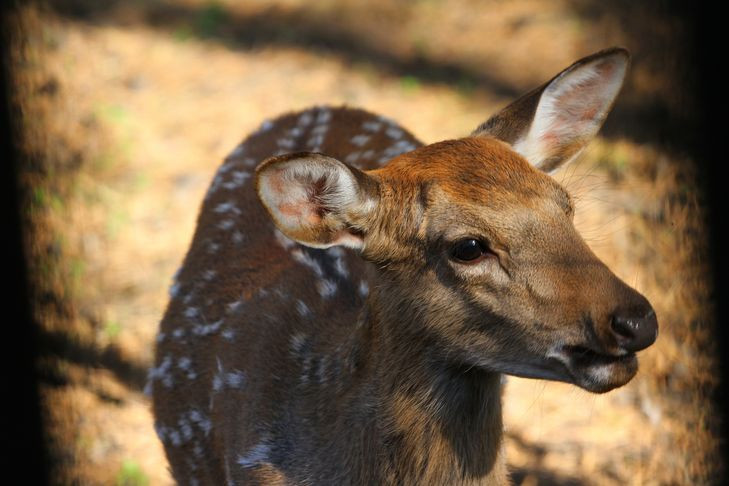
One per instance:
[(469, 250)]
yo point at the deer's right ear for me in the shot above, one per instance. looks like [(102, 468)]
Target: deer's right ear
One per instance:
[(550, 125), (317, 200)]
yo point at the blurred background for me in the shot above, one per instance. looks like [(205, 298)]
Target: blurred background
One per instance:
[(125, 109)]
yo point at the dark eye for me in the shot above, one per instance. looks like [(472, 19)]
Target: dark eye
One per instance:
[(469, 250)]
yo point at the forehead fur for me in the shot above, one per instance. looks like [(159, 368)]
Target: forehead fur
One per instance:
[(467, 167)]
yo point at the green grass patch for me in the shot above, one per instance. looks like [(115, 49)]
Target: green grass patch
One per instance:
[(131, 474), (183, 33), (112, 329), (409, 84), (141, 181), (113, 113), (615, 161), (210, 19), (117, 220)]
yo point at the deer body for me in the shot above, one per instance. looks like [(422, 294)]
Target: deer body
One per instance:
[(284, 359)]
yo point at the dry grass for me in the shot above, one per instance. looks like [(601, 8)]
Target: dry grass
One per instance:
[(126, 112)]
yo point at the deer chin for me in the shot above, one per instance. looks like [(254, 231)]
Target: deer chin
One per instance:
[(595, 371)]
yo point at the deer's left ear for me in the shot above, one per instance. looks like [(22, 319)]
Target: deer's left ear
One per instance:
[(550, 125)]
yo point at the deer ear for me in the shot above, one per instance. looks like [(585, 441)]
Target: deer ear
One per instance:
[(550, 125), (317, 200)]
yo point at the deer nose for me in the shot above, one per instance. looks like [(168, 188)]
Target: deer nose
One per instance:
[(634, 333)]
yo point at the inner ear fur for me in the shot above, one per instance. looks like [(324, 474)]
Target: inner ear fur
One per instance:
[(317, 200)]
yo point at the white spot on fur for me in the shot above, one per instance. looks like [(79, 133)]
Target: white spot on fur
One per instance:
[(372, 126), (394, 133), (320, 130), (235, 379), (226, 224), (265, 126), (297, 343), (185, 364), (213, 247), (208, 275), (339, 265), (201, 421), (189, 297), (305, 119), (185, 428), (163, 372), (238, 237), (239, 178), (174, 290), (228, 334), (238, 151), (207, 329), (306, 260), (214, 185), (352, 157), (191, 312), (232, 379), (315, 142), (325, 116), (396, 149), (228, 165), (326, 288), (364, 288), (321, 371), (305, 366), (287, 143), (161, 431), (174, 437), (302, 308), (255, 456), (283, 240), (227, 207), (360, 140), (234, 306), (217, 383)]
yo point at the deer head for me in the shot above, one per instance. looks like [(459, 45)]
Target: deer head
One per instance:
[(474, 243)]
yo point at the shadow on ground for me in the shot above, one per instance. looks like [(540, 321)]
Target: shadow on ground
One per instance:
[(667, 117)]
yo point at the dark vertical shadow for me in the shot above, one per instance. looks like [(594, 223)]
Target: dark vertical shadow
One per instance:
[(660, 35), (24, 425), (714, 128)]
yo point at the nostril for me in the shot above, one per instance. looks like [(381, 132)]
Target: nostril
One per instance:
[(624, 327), (635, 333)]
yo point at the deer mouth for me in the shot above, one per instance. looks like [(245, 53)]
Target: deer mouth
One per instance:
[(596, 371)]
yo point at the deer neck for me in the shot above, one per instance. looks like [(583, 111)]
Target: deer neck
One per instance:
[(442, 418)]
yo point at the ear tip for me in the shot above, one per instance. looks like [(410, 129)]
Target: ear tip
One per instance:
[(617, 50), (617, 54)]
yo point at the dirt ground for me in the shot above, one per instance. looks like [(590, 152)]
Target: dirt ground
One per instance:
[(127, 109)]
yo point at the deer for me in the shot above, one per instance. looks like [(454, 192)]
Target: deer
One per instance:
[(352, 298)]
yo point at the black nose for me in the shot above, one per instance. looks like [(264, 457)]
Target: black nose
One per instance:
[(634, 333)]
